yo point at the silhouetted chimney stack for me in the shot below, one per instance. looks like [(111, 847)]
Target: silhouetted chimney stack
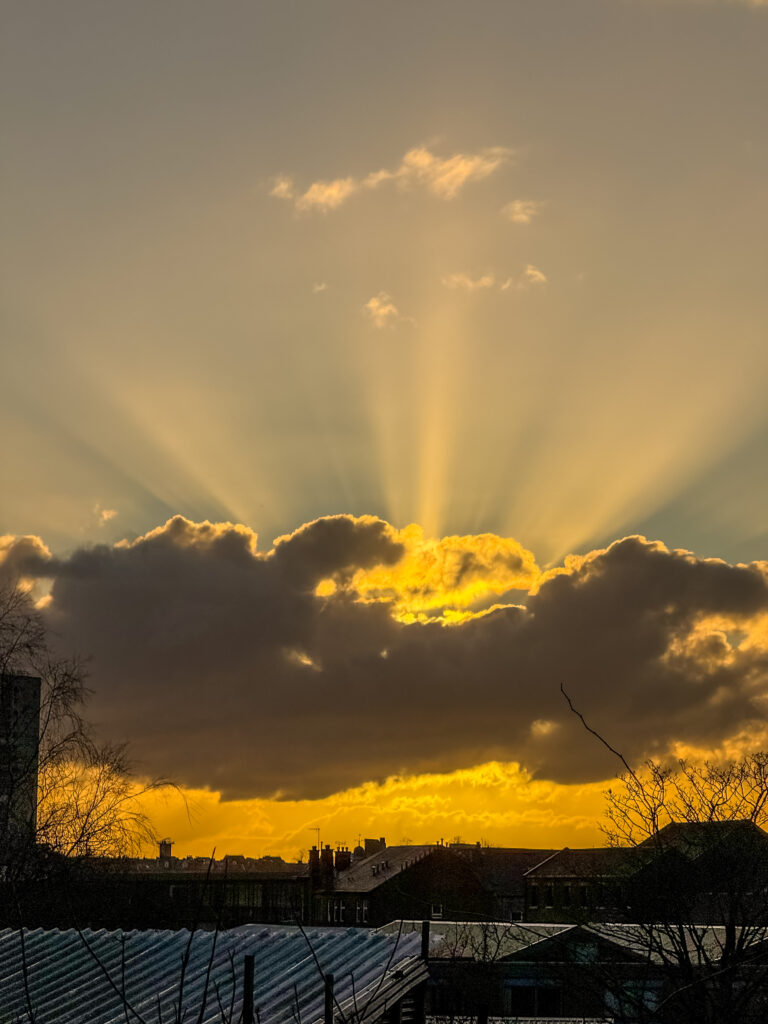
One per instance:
[(326, 865), (375, 846), (343, 858)]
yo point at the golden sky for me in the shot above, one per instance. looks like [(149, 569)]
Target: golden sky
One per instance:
[(435, 303)]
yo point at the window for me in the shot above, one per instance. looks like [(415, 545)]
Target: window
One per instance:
[(521, 1001), (528, 998), (365, 910), (548, 1001), (566, 895), (437, 911), (583, 895), (585, 952), (549, 896), (533, 898)]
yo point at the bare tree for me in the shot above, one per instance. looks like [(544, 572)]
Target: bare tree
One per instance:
[(658, 794), (693, 889), (88, 801)]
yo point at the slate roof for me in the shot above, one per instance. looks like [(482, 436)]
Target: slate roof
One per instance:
[(503, 869), (499, 869), (692, 838), (80, 977), (366, 875), (587, 863)]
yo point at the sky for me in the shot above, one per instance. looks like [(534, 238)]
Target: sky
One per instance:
[(371, 370)]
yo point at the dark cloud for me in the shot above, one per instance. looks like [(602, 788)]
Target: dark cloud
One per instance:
[(222, 668), (336, 545), (24, 556)]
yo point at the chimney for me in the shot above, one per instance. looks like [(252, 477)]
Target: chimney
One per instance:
[(314, 865), (326, 866), (343, 858)]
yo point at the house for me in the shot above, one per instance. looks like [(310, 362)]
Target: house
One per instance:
[(622, 973), (702, 872), (158, 892), (577, 885), (380, 883)]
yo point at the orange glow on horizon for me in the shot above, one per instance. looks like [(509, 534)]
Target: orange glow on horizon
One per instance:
[(498, 804)]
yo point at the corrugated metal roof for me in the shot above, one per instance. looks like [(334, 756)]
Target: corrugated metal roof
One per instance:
[(114, 977)]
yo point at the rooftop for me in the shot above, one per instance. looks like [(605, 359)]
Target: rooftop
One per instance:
[(365, 875), (80, 976)]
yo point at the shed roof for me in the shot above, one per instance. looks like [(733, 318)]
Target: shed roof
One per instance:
[(106, 977)]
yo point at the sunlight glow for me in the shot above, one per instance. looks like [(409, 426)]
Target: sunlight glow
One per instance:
[(496, 803)]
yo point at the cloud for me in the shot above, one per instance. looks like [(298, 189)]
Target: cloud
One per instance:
[(320, 286), (382, 310), (326, 660), (454, 573), (443, 177), (23, 557), (522, 211), (446, 177), (327, 195), (104, 515), (467, 283), (531, 277), (282, 188)]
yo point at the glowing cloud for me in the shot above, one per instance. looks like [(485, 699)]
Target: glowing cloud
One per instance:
[(467, 283), (443, 177), (531, 277), (498, 803), (282, 188), (450, 572), (197, 638), (382, 310), (104, 515), (522, 211), (327, 195), (446, 177)]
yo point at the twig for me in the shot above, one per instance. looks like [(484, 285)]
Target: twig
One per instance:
[(606, 744)]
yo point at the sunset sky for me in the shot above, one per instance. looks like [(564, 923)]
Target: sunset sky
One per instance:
[(371, 369)]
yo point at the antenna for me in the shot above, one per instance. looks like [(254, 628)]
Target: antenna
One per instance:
[(316, 830)]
